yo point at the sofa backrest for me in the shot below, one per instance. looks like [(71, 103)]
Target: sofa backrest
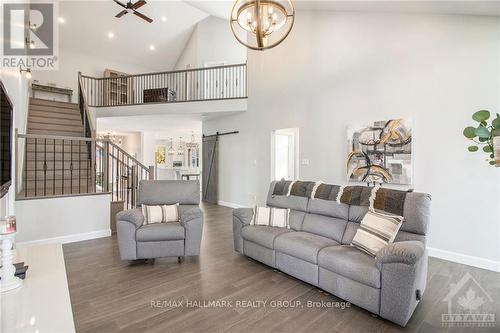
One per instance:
[(168, 192), (340, 221)]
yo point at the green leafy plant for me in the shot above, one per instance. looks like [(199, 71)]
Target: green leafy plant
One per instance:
[(482, 135)]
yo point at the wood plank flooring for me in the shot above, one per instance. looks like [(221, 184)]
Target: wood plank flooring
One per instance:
[(108, 295)]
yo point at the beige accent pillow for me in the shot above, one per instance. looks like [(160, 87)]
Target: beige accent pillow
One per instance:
[(376, 231), (272, 217), (160, 214)]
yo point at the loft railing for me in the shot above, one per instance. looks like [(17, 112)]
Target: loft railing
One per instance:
[(67, 166), (200, 84)]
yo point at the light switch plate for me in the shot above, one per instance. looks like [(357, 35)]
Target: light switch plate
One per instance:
[(305, 161)]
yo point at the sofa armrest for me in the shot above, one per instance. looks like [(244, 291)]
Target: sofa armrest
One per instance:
[(403, 269), (244, 215), (407, 252), (133, 216), (241, 217), (192, 221)]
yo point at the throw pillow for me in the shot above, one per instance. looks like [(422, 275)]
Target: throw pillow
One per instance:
[(270, 216), (376, 231), (160, 214)]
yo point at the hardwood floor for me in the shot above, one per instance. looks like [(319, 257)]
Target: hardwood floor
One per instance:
[(108, 295)]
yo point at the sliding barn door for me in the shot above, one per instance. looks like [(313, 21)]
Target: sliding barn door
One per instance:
[(209, 176)]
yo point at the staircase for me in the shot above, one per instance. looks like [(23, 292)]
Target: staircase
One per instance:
[(60, 156), (56, 166), (54, 118)]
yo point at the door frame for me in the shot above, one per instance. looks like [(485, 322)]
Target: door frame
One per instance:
[(293, 132)]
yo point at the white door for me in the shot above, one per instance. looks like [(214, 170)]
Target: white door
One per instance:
[(284, 154)]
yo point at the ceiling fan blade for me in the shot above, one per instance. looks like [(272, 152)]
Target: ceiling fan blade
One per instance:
[(120, 3), (120, 14), (138, 4), (144, 17)]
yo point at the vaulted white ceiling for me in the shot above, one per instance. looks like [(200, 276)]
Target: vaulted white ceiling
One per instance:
[(222, 8), (88, 23)]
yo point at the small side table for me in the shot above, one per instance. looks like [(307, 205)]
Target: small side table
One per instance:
[(9, 281)]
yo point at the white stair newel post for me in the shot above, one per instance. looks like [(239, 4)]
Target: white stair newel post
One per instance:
[(7, 274)]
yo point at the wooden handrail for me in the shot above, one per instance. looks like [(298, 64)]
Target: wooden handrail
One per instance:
[(65, 171), (166, 72), (125, 153), (86, 113), (188, 85)]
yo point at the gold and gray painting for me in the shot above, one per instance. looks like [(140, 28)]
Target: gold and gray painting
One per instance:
[(381, 153)]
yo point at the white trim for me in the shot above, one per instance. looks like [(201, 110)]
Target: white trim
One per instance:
[(230, 204), (68, 238), (465, 259)]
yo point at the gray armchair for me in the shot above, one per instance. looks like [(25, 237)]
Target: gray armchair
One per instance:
[(173, 239)]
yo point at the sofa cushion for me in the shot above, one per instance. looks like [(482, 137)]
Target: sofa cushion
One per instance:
[(302, 245), (262, 235), (325, 226), (328, 208), (160, 232), (351, 263)]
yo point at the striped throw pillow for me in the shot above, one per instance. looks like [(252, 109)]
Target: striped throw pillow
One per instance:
[(160, 214), (270, 216), (376, 231)]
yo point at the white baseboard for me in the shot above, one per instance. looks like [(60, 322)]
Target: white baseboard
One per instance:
[(68, 239), (230, 204), (460, 258)]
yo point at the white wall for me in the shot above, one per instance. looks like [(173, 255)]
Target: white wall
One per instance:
[(63, 219), (211, 41), (17, 89), (70, 63), (189, 56), (337, 69)]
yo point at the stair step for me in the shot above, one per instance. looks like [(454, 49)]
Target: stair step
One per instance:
[(52, 109), (49, 150), (41, 121), (42, 142), (55, 127), (56, 174), (57, 133), (55, 115), (50, 157), (31, 165), (57, 104)]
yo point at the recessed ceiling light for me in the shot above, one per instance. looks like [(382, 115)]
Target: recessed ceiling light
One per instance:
[(164, 19), (152, 47), (111, 35), (61, 20)]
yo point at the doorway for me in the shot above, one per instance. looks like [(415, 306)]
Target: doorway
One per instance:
[(285, 154)]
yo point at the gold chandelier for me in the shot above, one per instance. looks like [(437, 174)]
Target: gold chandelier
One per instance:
[(262, 24)]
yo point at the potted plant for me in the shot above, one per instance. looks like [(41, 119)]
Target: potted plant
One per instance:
[(483, 135)]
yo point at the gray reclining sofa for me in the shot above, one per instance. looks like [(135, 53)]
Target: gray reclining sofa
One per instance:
[(172, 239), (316, 249)]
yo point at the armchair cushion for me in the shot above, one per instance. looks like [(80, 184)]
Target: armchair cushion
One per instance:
[(408, 252), (244, 215), (159, 232), (133, 216)]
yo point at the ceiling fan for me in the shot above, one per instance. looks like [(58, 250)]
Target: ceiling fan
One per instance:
[(133, 7)]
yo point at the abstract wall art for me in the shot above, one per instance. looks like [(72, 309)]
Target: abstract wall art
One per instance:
[(381, 152)]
